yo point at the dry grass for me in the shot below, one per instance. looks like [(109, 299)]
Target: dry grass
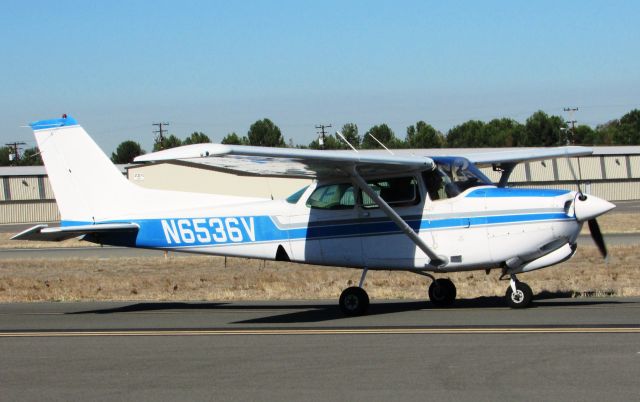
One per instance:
[(207, 278), (618, 223)]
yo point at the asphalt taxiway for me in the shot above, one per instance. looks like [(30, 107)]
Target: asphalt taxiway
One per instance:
[(561, 349)]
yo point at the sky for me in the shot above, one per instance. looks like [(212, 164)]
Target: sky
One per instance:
[(218, 66)]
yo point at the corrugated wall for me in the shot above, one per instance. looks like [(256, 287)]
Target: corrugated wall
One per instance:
[(3, 188), (634, 166), (48, 191), (29, 212), (24, 188), (613, 177), (27, 199)]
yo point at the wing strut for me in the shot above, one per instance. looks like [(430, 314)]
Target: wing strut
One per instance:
[(437, 261)]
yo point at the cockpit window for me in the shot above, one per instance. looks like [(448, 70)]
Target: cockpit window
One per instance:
[(451, 177), (333, 196), (295, 197), (398, 192)]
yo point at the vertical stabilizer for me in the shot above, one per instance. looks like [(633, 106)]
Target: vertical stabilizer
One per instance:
[(87, 186)]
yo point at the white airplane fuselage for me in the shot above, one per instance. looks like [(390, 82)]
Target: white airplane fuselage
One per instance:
[(482, 228)]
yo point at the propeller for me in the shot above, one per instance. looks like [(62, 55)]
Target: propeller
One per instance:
[(596, 235), (589, 209)]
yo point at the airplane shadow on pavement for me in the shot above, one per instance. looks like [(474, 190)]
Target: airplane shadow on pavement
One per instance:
[(309, 312)]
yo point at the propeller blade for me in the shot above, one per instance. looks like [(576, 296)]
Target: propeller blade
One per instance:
[(596, 234)]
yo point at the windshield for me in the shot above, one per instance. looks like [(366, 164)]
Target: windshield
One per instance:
[(453, 176)]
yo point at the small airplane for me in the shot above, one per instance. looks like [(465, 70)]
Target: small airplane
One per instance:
[(426, 215)]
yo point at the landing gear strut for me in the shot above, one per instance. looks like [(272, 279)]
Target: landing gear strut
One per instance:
[(354, 300), (519, 294)]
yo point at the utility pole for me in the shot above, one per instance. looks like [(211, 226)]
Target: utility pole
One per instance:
[(572, 121), (14, 147), (322, 133), (160, 137)]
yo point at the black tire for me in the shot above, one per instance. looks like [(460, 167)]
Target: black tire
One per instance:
[(354, 301), (521, 298), (442, 292)]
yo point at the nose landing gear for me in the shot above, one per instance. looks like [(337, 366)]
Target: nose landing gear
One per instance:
[(519, 294)]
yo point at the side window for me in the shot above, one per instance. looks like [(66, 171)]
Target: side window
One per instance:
[(333, 196), (399, 192), (295, 197)]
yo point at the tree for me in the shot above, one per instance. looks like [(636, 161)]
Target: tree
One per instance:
[(4, 156), (584, 135), (350, 132), (126, 152), (465, 135), (627, 131), (502, 133), (544, 130), (265, 133), (423, 135), (330, 142), (233, 139), (384, 134), (31, 157), (605, 133), (167, 142), (196, 138)]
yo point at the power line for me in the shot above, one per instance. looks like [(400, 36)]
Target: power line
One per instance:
[(322, 133), (572, 121), (159, 131), (14, 147)]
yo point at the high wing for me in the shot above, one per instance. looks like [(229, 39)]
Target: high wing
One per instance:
[(307, 163), (517, 155), (287, 162), (59, 233)]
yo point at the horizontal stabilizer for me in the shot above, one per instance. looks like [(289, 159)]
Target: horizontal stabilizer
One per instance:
[(59, 233)]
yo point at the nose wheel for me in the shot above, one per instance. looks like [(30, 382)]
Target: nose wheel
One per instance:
[(519, 294)]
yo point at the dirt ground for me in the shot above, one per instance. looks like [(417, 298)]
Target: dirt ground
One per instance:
[(209, 278)]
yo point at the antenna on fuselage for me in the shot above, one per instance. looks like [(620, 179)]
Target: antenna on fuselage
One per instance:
[(381, 144), (342, 137)]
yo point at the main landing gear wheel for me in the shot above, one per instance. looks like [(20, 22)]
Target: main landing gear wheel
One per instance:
[(442, 292), (521, 298), (354, 301)]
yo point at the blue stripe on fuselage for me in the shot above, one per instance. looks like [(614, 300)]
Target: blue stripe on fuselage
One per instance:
[(198, 232), (496, 192)]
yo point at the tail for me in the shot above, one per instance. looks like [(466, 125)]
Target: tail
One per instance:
[(89, 188)]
